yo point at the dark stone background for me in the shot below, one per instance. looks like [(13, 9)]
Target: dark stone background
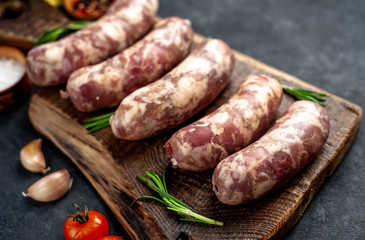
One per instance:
[(321, 42)]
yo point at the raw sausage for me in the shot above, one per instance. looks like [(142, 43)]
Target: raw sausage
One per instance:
[(241, 120), (269, 163), (125, 22), (106, 84), (183, 92)]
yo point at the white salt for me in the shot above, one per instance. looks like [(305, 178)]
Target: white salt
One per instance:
[(11, 71)]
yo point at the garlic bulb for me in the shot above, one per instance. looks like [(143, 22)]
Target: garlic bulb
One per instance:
[(50, 187), (32, 157)]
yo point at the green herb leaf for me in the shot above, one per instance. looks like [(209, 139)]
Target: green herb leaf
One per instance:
[(152, 197), (302, 94), (96, 123), (56, 33), (172, 203), (77, 25)]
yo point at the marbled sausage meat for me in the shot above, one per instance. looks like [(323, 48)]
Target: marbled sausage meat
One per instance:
[(269, 163), (124, 23), (104, 85), (241, 120), (183, 92)]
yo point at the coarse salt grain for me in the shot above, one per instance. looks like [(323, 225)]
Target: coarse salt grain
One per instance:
[(11, 71)]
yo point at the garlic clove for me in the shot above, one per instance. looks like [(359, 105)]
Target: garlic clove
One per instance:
[(32, 157), (50, 187)]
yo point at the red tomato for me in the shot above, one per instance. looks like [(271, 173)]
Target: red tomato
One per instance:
[(96, 226), (111, 237)]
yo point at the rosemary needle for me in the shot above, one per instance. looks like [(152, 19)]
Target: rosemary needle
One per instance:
[(97, 123), (172, 203), (302, 94), (56, 33)]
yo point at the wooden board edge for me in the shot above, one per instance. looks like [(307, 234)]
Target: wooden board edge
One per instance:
[(22, 44), (128, 228), (315, 185)]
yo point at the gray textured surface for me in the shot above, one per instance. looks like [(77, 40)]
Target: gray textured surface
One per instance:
[(321, 42)]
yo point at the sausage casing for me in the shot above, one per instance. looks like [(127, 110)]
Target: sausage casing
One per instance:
[(105, 84), (241, 120), (270, 162), (183, 92), (124, 23)]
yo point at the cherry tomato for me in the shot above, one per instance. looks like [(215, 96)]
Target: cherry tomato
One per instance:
[(86, 225), (111, 237)]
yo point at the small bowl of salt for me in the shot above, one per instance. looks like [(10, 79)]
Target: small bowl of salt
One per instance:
[(14, 83)]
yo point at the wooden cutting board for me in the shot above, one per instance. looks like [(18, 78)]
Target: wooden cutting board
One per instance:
[(112, 167)]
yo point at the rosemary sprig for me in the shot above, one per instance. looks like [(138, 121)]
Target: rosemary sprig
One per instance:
[(97, 123), (302, 94), (56, 33), (172, 203)]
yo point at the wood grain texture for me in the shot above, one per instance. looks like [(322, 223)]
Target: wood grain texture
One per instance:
[(23, 31), (112, 166)]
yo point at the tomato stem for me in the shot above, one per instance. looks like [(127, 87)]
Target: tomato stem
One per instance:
[(81, 217)]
